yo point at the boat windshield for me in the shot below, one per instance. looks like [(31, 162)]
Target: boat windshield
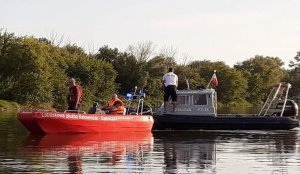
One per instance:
[(183, 100), (200, 99)]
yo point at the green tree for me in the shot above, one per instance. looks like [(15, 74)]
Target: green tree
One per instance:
[(143, 72), (25, 63), (261, 73), (35, 72), (188, 75), (296, 62), (232, 86), (293, 76)]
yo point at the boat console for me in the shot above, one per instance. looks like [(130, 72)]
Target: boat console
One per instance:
[(135, 104)]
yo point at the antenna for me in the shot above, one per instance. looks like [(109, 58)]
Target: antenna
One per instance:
[(187, 83), (135, 88)]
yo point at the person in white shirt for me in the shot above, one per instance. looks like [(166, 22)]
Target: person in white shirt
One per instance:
[(170, 82)]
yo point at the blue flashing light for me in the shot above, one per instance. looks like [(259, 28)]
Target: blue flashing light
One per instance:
[(143, 95), (129, 96)]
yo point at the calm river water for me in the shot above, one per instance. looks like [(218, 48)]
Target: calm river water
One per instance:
[(222, 152)]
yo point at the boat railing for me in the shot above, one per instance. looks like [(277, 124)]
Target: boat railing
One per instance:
[(285, 99), (74, 111), (279, 92), (139, 110), (42, 110)]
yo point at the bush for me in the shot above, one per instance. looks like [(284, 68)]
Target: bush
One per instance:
[(7, 105)]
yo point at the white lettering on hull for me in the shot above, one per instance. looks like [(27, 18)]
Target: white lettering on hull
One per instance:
[(190, 110), (183, 109), (203, 109), (86, 117)]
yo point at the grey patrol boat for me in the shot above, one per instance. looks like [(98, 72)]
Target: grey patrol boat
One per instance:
[(197, 110)]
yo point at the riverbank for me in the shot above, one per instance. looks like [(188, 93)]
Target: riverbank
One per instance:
[(8, 105), (14, 106)]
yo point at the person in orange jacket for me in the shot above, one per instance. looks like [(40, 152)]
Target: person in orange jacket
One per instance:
[(115, 105)]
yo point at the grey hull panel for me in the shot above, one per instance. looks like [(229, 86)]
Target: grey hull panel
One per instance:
[(251, 122)]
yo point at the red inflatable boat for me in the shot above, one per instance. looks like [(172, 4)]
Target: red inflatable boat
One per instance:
[(46, 122)]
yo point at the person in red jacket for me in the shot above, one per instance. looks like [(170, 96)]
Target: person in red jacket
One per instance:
[(74, 95), (115, 105)]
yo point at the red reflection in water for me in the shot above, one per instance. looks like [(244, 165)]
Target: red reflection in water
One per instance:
[(113, 146)]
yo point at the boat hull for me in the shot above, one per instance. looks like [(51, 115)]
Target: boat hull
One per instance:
[(250, 122), (57, 122)]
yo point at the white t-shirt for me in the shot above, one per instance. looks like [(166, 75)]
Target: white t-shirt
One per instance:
[(170, 79)]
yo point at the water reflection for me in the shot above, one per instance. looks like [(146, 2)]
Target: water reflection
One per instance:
[(188, 151), (163, 152), (88, 153), (215, 151)]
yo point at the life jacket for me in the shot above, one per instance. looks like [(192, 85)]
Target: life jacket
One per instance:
[(112, 102), (75, 92), (80, 93), (119, 109)]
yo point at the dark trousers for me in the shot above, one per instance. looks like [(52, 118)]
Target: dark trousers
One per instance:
[(170, 91)]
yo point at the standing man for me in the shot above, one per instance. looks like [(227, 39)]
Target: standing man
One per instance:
[(170, 82), (74, 95)]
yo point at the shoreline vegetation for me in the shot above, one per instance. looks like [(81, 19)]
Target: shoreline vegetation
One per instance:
[(9, 106), (35, 73), (14, 106)]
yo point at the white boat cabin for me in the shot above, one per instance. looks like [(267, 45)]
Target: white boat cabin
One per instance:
[(194, 102)]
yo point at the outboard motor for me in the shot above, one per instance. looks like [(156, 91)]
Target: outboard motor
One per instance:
[(290, 110), (276, 99)]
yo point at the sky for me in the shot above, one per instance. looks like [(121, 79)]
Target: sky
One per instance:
[(218, 30)]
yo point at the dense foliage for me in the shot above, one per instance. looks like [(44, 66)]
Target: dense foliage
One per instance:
[(35, 71)]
